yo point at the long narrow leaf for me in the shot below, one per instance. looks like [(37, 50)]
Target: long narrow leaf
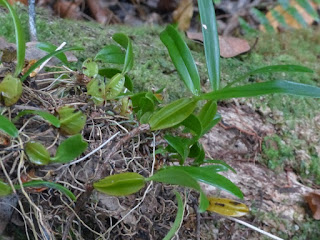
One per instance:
[(273, 69), (20, 39), (45, 115), (210, 41), (49, 48), (179, 218), (42, 60), (264, 88), (181, 58), (8, 127), (208, 175), (40, 183), (181, 178)]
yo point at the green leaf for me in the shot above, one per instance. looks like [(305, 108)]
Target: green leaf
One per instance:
[(8, 127), (20, 39), (179, 218), (273, 69), (172, 114), (90, 68), (5, 189), (49, 48), (110, 72), (180, 145), (309, 9), (115, 86), (45, 115), (40, 183), (207, 114), (227, 207), (72, 121), (216, 119), (37, 153), (181, 58), (111, 54), (42, 60), (279, 18), (264, 88), (125, 42), (96, 89), (263, 20), (297, 16), (210, 41), (220, 162), (70, 149), (246, 27), (120, 184), (10, 90), (181, 178), (208, 175), (193, 123)]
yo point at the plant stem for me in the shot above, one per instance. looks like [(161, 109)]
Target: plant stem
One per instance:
[(32, 20)]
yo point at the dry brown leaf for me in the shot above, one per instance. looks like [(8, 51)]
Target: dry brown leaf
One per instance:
[(66, 9), (313, 199), (290, 20), (12, 2), (183, 14), (103, 15), (229, 46)]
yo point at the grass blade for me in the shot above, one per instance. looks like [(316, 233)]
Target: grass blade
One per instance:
[(210, 41), (264, 88), (42, 60), (20, 39)]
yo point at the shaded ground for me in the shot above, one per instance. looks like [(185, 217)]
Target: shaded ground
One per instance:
[(275, 197)]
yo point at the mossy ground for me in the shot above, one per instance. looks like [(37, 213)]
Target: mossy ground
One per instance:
[(294, 117)]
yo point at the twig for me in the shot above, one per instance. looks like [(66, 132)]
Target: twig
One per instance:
[(255, 228), (32, 20)]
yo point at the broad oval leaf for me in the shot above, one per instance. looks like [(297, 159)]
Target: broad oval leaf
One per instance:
[(20, 38), (90, 68), (181, 58), (120, 184), (264, 88), (172, 114), (273, 69), (72, 121), (45, 58), (96, 89), (49, 48), (41, 183), (5, 189), (227, 207), (125, 42), (115, 86), (111, 54), (110, 72), (10, 90), (45, 115), (210, 41), (179, 177), (208, 175), (8, 127), (69, 149), (37, 153)]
